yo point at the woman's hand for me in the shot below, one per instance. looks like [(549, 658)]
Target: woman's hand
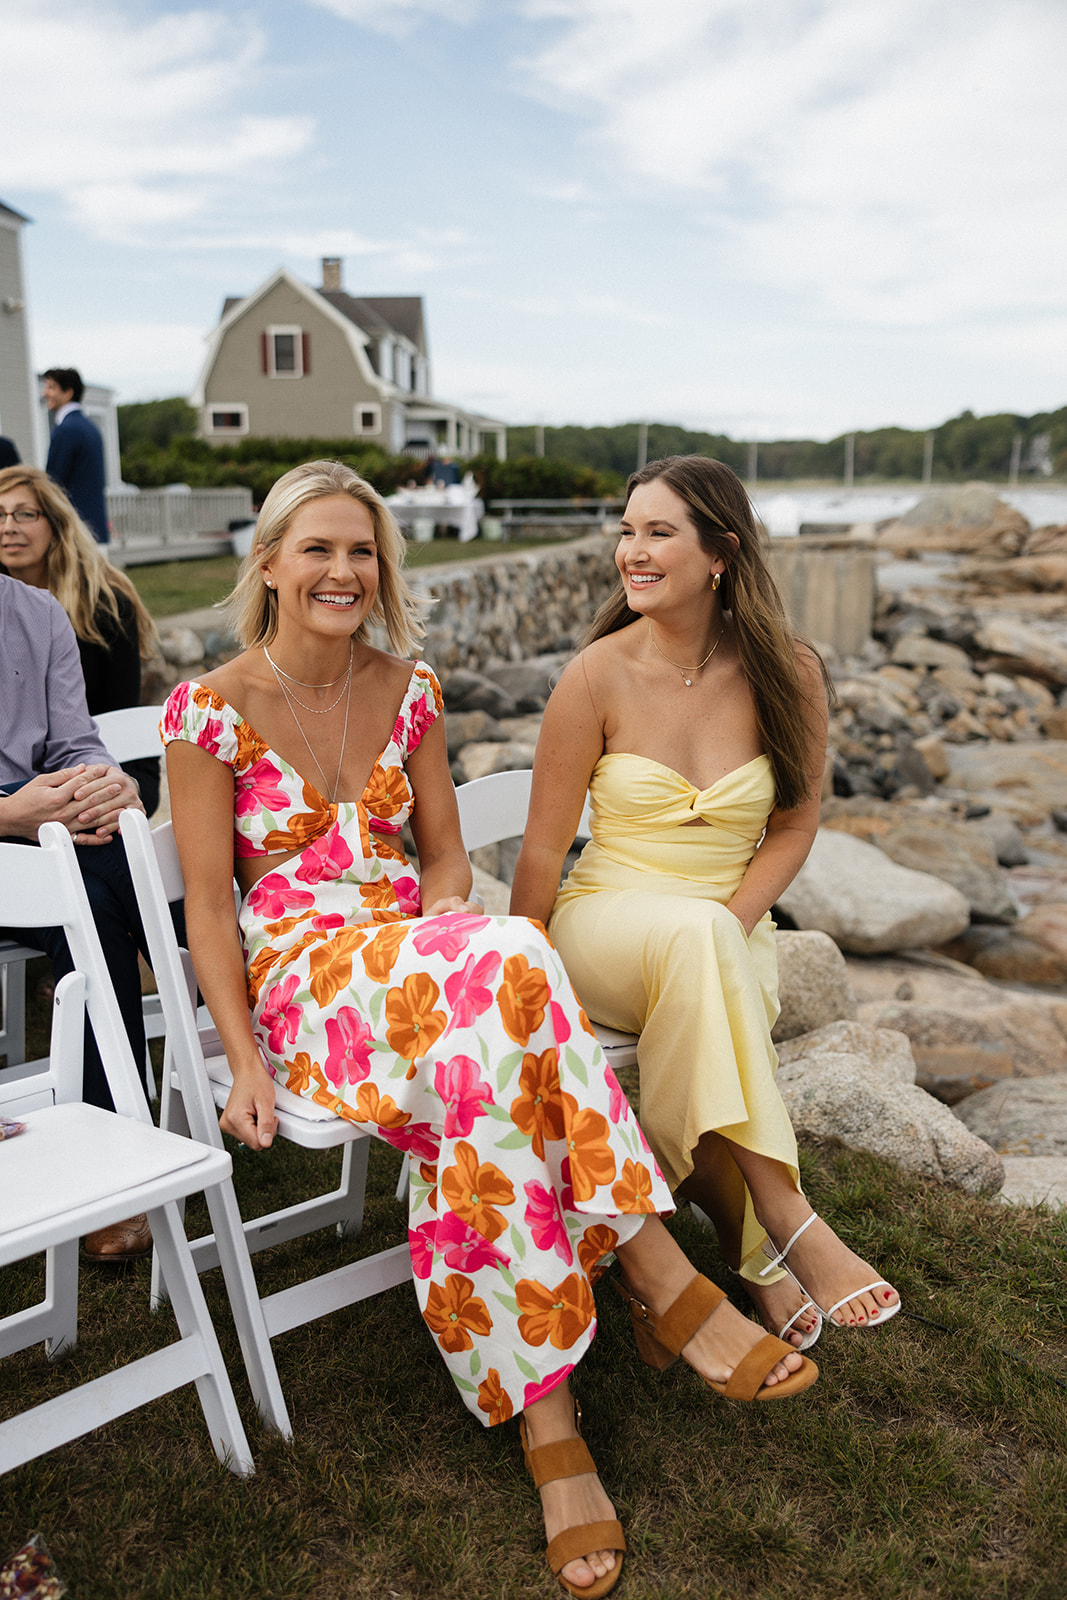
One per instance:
[(249, 1113), (451, 903)]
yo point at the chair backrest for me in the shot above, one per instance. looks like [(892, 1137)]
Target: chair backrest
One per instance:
[(495, 807), (131, 733), (157, 880), (43, 888)]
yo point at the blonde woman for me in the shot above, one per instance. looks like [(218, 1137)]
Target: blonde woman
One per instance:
[(698, 724), (44, 543), (377, 988)]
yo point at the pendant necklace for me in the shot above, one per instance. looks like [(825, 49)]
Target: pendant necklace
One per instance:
[(685, 671), (292, 702)]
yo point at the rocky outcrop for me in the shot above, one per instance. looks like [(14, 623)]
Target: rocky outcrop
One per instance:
[(966, 1034), (813, 986), (868, 904), (854, 1083), (1022, 1118)]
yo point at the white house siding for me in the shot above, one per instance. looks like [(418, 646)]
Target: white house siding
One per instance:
[(320, 404), (16, 379)]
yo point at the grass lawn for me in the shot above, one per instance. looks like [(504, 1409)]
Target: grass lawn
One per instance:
[(170, 587), (930, 1460)]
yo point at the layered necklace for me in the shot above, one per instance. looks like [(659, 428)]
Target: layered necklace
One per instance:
[(685, 671), (292, 702)]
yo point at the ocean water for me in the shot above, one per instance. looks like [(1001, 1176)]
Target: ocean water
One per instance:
[(784, 511)]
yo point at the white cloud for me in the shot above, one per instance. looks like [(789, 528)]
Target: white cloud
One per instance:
[(901, 163), (398, 17), (155, 358), (136, 124)]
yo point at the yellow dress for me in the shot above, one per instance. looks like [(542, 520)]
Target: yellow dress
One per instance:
[(642, 926)]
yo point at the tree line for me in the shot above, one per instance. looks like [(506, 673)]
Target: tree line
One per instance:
[(159, 446)]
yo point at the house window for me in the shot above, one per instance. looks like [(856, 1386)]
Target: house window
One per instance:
[(226, 417), (368, 419), (286, 353)]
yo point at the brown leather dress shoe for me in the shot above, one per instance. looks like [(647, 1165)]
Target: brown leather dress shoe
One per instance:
[(123, 1241)]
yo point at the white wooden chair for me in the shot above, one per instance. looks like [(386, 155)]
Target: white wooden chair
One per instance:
[(76, 1168), (494, 808), (128, 734), (196, 1083)]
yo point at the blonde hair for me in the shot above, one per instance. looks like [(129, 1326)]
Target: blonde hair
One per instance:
[(77, 571), (253, 608), (719, 507)]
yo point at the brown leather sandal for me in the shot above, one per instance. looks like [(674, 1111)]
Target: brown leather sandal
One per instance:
[(660, 1341), (570, 1458)]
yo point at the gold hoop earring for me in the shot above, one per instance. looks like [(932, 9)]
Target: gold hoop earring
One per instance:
[(716, 580)]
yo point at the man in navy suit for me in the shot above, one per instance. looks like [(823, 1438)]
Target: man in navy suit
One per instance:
[(76, 452)]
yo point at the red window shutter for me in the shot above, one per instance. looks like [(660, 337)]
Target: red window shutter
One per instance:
[(263, 353), (305, 341)]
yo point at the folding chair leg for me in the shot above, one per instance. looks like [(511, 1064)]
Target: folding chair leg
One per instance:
[(247, 1309), (13, 1003), (404, 1181), (354, 1185), (194, 1322), (61, 1290)]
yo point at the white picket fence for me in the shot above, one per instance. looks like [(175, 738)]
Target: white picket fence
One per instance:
[(173, 524)]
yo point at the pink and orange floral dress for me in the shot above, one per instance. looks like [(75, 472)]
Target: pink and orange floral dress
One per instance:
[(457, 1039)]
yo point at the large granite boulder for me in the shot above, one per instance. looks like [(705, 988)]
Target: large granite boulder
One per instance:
[(965, 1033), (868, 904), (930, 840), (1027, 779), (1026, 1117), (845, 1083), (813, 986)]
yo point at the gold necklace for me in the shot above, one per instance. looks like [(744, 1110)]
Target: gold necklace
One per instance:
[(301, 681), (316, 711), (292, 703), (685, 671)]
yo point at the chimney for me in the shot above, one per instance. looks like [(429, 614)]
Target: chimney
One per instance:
[(331, 272)]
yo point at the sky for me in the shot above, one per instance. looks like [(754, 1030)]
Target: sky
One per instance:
[(769, 218)]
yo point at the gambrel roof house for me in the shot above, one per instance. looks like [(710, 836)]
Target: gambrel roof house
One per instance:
[(300, 362)]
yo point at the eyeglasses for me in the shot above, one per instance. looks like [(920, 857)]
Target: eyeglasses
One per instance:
[(22, 515)]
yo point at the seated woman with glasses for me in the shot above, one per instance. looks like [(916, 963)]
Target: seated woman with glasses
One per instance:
[(44, 543)]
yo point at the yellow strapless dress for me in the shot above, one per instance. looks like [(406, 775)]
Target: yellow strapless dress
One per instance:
[(642, 926)]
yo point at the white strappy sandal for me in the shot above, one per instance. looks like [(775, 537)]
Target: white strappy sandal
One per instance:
[(884, 1312)]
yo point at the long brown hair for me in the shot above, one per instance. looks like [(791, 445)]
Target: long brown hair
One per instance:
[(78, 573), (253, 608), (718, 506)]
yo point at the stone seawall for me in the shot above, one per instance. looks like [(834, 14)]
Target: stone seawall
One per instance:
[(526, 603)]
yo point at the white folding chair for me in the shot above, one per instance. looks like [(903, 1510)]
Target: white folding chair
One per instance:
[(494, 808), (196, 1082), (76, 1168), (128, 734)]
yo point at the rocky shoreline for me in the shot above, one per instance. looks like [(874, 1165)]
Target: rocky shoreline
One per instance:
[(924, 973), (923, 946)]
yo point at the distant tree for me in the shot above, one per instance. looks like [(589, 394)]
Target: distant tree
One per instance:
[(155, 422)]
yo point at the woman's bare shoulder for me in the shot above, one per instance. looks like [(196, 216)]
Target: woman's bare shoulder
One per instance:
[(234, 677)]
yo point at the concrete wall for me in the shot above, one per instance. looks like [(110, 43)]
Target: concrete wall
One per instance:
[(828, 589)]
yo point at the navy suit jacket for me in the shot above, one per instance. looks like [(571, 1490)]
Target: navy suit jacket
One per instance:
[(76, 463)]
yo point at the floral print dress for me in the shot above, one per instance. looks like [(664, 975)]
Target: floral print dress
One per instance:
[(457, 1039)]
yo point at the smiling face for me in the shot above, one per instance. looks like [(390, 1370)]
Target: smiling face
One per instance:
[(53, 396), (24, 545), (325, 570), (659, 554)]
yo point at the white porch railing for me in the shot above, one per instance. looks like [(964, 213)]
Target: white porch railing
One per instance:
[(167, 524)]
